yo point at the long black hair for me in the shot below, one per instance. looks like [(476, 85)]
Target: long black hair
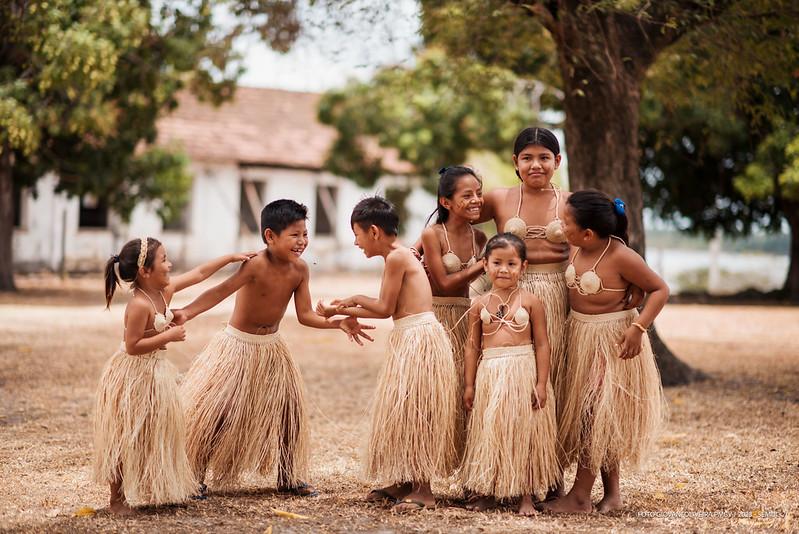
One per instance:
[(448, 178), (595, 210)]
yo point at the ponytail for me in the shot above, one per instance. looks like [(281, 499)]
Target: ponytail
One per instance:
[(124, 267)]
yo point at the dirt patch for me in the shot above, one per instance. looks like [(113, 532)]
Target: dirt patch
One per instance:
[(727, 459)]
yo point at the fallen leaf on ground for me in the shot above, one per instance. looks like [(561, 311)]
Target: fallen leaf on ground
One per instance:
[(288, 515), (86, 511)]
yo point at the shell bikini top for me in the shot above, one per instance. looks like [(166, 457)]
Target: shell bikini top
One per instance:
[(160, 320), (452, 262), (517, 323), (589, 282), (552, 232)]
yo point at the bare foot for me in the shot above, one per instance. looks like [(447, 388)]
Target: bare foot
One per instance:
[(418, 499), (481, 504), (121, 508), (391, 493), (569, 504), (609, 503), (555, 493), (526, 506)]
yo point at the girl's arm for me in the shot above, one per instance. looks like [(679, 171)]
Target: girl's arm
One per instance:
[(136, 316), (435, 265), (472, 352), (542, 351), (201, 272), (634, 269), (307, 317)]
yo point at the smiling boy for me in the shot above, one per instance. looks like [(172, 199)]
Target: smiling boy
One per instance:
[(243, 393)]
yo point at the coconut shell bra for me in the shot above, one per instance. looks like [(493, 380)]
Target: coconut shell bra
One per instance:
[(589, 282), (160, 320), (517, 323), (552, 232), (452, 262)]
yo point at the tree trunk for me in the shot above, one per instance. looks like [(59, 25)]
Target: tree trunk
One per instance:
[(6, 219), (602, 67), (791, 286)]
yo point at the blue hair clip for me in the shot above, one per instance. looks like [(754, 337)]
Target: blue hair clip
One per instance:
[(619, 205)]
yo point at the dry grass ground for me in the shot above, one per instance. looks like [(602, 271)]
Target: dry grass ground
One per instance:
[(727, 460)]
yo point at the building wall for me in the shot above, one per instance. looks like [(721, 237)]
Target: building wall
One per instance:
[(213, 221)]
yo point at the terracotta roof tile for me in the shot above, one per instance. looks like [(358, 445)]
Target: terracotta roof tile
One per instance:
[(259, 126)]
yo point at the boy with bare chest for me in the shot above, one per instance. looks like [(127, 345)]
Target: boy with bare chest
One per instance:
[(243, 393)]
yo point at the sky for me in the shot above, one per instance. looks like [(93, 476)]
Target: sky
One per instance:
[(335, 47)]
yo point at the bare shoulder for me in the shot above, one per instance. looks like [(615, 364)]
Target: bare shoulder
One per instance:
[(623, 254), (480, 237), (530, 300), (138, 305)]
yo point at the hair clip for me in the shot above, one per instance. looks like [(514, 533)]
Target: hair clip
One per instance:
[(619, 206)]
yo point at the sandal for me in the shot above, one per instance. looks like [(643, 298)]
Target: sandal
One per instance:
[(300, 490)]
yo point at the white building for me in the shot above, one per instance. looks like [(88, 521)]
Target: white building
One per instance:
[(265, 145)]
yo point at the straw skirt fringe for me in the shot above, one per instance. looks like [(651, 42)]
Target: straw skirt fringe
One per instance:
[(549, 285), (452, 313), (246, 410), (612, 408), (139, 431), (413, 417), (511, 447)]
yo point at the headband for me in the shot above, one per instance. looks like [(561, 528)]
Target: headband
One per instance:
[(142, 253)]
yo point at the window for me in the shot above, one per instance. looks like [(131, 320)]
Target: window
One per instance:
[(250, 204), (93, 212), (325, 220), (19, 195)]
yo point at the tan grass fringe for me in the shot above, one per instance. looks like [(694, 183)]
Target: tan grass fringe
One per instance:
[(246, 410), (612, 407), (139, 428), (511, 447), (413, 419), (453, 314), (547, 282)]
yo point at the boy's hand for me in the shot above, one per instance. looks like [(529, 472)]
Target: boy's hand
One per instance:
[(180, 316), (540, 396), (630, 343), (468, 397), (243, 256), (176, 333), (325, 310), (355, 330), (344, 303)]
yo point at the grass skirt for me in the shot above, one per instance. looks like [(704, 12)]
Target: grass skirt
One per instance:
[(547, 282), (246, 410), (612, 407), (511, 447), (413, 418), (139, 431), (453, 314)]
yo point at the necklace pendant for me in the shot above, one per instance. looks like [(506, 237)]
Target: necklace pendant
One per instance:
[(502, 311)]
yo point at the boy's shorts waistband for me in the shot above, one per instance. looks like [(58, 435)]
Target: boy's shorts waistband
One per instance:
[(415, 319), (258, 339)]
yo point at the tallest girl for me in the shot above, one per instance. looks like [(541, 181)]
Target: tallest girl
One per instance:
[(532, 211)]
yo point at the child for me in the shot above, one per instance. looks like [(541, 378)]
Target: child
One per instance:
[(451, 239), (139, 434), (413, 421), (612, 397), (245, 407), (532, 211), (511, 440)]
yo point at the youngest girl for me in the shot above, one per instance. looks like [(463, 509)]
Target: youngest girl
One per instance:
[(139, 433), (511, 438), (612, 398)]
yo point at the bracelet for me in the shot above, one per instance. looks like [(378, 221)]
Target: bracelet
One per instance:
[(639, 326)]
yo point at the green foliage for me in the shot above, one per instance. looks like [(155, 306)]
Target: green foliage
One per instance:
[(433, 114)]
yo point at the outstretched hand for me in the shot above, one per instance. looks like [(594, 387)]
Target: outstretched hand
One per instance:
[(180, 316), (325, 310), (340, 304), (243, 256), (355, 330)]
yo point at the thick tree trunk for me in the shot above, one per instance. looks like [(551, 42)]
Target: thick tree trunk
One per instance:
[(791, 287), (602, 80), (6, 219)]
